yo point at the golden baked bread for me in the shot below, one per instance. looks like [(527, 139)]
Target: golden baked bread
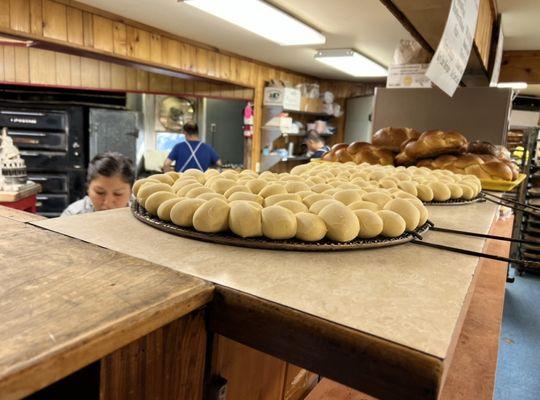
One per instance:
[(484, 166), (431, 144), (359, 152), (391, 138)]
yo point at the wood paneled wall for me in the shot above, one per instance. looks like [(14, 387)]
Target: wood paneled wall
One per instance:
[(22, 65), (484, 30), (77, 28)]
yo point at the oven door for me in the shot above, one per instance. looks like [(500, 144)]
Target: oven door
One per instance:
[(51, 184), (51, 205), (26, 119), (35, 140)]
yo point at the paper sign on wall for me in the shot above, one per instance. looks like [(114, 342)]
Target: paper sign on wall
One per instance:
[(450, 60)]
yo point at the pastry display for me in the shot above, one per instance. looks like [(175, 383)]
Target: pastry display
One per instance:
[(336, 201)]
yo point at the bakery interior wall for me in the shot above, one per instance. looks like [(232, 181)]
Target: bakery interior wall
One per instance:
[(97, 49)]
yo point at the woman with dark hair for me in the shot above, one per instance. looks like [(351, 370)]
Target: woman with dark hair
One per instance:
[(109, 180)]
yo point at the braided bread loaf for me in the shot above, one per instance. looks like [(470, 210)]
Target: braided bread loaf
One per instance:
[(431, 144), (359, 152), (392, 138), (484, 166)]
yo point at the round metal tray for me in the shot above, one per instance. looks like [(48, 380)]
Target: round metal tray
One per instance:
[(454, 202), (229, 238)]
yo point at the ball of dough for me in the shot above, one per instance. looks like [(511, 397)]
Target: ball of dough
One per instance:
[(393, 224), (271, 190), (212, 216), (276, 198), (221, 185), (363, 205), (424, 192), (251, 203), (244, 219), (331, 192), (182, 212), (196, 173), (408, 187), (388, 183), (185, 189), (456, 192), (379, 198), (304, 193), (468, 192), (310, 227), (196, 192), (246, 196), (235, 189), (348, 196), (148, 189), (173, 174), (294, 187), (278, 223), (211, 195), (153, 201), (164, 209), (422, 209), (181, 182), (321, 187), (163, 178), (371, 225), (230, 174), (441, 192), (295, 206), (138, 184), (407, 210), (210, 173), (256, 185), (313, 198), (341, 222), (320, 204)]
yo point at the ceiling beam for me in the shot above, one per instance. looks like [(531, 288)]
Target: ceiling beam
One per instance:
[(521, 66)]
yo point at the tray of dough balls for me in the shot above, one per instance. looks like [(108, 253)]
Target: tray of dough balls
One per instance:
[(327, 206)]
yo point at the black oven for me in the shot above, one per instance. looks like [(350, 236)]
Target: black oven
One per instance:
[(52, 143)]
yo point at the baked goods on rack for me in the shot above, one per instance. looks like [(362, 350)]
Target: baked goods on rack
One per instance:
[(483, 166), (431, 144), (337, 201), (359, 152), (390, 138)]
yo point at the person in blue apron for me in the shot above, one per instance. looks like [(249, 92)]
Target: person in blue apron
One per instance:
[(192, 153), (315, 145)]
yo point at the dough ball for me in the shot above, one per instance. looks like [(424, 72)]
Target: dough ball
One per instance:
[(164, 209), (331, 192), (181, 182), (245, 219), (256, 185), (304, 193), (276, 198), (246, 196), (248, 172), (212, 216), (293, 205), (138, 184), (174, 175), (348, 196), (341, 222), (468, 191), (363, 205), (294, 187), (321, 187), (310, 227), (251, 203), (185, 189), (153, 201), (196, 173), (235, 189), (211, 195), (456, 192), (320, 204), (424, 192), (278, 223), (271, 190), (378, 198), (441, 192), (346, 186), (148, 189), (371, 225), (163, 178), (196, 192), (210, 173), (230, 174), (388, 183), (422, 209), (408, 187), (313, 198), (407, 210), (182, 212), (300, 169), (393, 224), (221, 185)]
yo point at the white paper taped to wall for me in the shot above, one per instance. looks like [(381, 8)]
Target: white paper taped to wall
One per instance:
[(450, 60)]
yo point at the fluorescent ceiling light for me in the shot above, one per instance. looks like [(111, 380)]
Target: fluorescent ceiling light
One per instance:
[(512, 85), (263, 19), (350, 62)]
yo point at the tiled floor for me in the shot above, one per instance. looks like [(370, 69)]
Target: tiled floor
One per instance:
[(518, 370)]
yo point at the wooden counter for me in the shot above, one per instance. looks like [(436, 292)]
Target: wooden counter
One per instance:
[(384, 321), (65, 304)]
